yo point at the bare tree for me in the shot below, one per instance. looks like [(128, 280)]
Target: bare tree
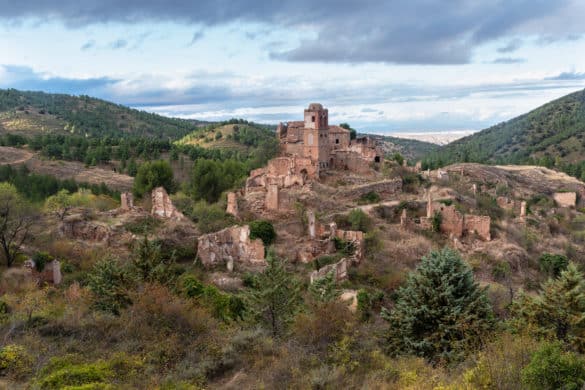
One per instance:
[(16, 220)]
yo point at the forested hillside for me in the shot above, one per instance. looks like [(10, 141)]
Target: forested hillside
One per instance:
[(552, 135), (31, 113)]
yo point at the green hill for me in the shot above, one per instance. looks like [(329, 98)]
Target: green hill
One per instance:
[(552, 135), (32, 113), (411, 149)]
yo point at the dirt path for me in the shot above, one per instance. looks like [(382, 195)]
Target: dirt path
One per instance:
[(14, 156)]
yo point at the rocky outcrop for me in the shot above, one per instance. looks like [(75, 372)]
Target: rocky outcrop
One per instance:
[(230, 246), (163, 207)]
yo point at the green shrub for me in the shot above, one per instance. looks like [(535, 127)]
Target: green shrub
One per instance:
[(109, 282), (144, 225), (553, 264), (359, 220), (364, 302), (15, 361), (346, 247), (190, 286), (370, 197), (263, 230), (436, 221), (41, 259), (153, 174), (551, 368), (501, 270)]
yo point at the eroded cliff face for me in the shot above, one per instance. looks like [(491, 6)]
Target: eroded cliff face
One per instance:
[(230, 246)]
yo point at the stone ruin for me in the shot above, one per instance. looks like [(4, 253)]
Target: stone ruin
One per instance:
[(163, 207), (453, 222), (77, 226), (565, 199), (51, 273), (323, 242), (265, 185), (229, 246), (127, 201), (232, 204)]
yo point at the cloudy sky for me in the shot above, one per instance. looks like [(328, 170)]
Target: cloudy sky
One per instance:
[(381, 65)]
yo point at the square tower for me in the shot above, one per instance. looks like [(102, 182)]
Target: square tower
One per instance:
[(316, 117)]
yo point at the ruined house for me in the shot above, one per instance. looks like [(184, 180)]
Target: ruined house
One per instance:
[(229, 246)]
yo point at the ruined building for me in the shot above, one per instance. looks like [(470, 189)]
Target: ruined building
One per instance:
[(327, 146)]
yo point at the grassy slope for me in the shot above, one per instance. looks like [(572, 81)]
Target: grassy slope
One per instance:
[(409, 148), (557, 129)]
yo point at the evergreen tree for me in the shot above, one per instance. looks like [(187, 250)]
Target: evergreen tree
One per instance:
[(276, 296), (110, 282), (151, 175), (325, 289), (441, 311), (559, 310)]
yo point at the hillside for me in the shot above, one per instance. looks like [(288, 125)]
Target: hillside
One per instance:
[(551, 135), (234, 135), (409, 148), (31, 113)]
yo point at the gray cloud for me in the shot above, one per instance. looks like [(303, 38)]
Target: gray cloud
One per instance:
[(511, 46), (197, 36), (88, 45), (508, 60), (25, 78), (414, 32), (118, 44), (568, 76)]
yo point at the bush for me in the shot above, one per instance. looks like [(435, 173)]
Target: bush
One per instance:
[(436, 221), (359, 220), (41, 259), (370, 197), (109, 282), (263, 230), (152, 175), (15, 361), (551, 368), (553, 264)]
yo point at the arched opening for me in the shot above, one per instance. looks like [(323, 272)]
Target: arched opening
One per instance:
[(377, 159)]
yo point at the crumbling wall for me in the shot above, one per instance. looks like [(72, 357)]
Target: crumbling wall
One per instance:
[(565, 199), (127, 201), (229, 246), (386, 187), (51, 273), (478, 224), (339, 270), (505, 203), (232, 204), (451, 220), (272, 197), (163, 207), (78, 227), (357, 238)]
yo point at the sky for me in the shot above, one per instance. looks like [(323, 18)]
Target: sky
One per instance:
[(383, 66)]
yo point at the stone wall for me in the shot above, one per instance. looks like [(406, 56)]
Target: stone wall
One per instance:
[(339, 269), (451, 220), (163, 207), (355, 237), (565, 199), (386, 187), (230, 246), (127, 201), (78, 227), (232, 204), (478, 224), (51, 273)]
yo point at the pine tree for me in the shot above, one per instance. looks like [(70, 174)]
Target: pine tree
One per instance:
[(441, 311), (324, 289), (559, 310), (275, 298)]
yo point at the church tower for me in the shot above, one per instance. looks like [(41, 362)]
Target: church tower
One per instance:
[(316, 134)]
